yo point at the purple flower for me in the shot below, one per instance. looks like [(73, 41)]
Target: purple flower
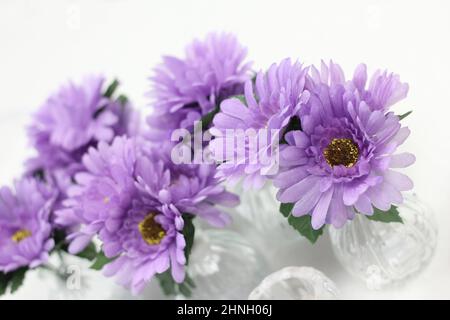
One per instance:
[(342, 161), (383, 90), (133, 198), (25, 229), (275, 97), (186, 89), (75, 118)]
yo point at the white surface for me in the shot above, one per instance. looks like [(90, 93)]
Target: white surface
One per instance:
[(44, 42)]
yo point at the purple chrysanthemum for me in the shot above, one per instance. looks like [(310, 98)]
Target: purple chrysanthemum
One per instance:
[(25, 228), (342, 161), (75, 118), (186, 89), (383, 90), (275, 97), (133, 198)]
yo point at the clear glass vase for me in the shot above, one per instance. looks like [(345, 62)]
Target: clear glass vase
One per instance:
[(259, 220), (383, 253), (69, 278), (295, 283), (223, 265)]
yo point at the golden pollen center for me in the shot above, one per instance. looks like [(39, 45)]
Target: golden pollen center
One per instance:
[(20, 235), (341, 152), (151, 231)]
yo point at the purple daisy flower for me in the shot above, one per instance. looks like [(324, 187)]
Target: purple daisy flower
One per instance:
[(270, 103), (383, 90), (342, 161), (133, 198), (149, 242), (75, 118), (186, 89), (25, 229)]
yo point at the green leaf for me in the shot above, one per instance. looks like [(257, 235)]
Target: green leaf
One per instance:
[(4, 283), (185, 290), (171, 288), (403, 116), (392, 215), (301, 224), (188, 233), (167, 283), (17, 279), (111, 89), (12, 280), (188, 280), (101, 260), (122, 99), (89, 253), (286, 208), (208, 118)]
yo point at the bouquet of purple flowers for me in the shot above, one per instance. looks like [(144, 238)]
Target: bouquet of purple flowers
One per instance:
[(106, 188)]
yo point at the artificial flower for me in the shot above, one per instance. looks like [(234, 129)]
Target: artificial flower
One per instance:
[(71, 121), (25, 228), (343, 159), (184, 90), (270, 103), (134, 198)]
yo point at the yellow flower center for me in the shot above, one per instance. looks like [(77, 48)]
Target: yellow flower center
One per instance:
[(21, 235), (151, 231), (341, 152)]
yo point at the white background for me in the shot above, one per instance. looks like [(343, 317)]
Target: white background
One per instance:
[(42, 43)]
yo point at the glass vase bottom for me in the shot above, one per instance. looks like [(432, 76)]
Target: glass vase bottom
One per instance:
[(385, 254), (224, 266), (295, 283)]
